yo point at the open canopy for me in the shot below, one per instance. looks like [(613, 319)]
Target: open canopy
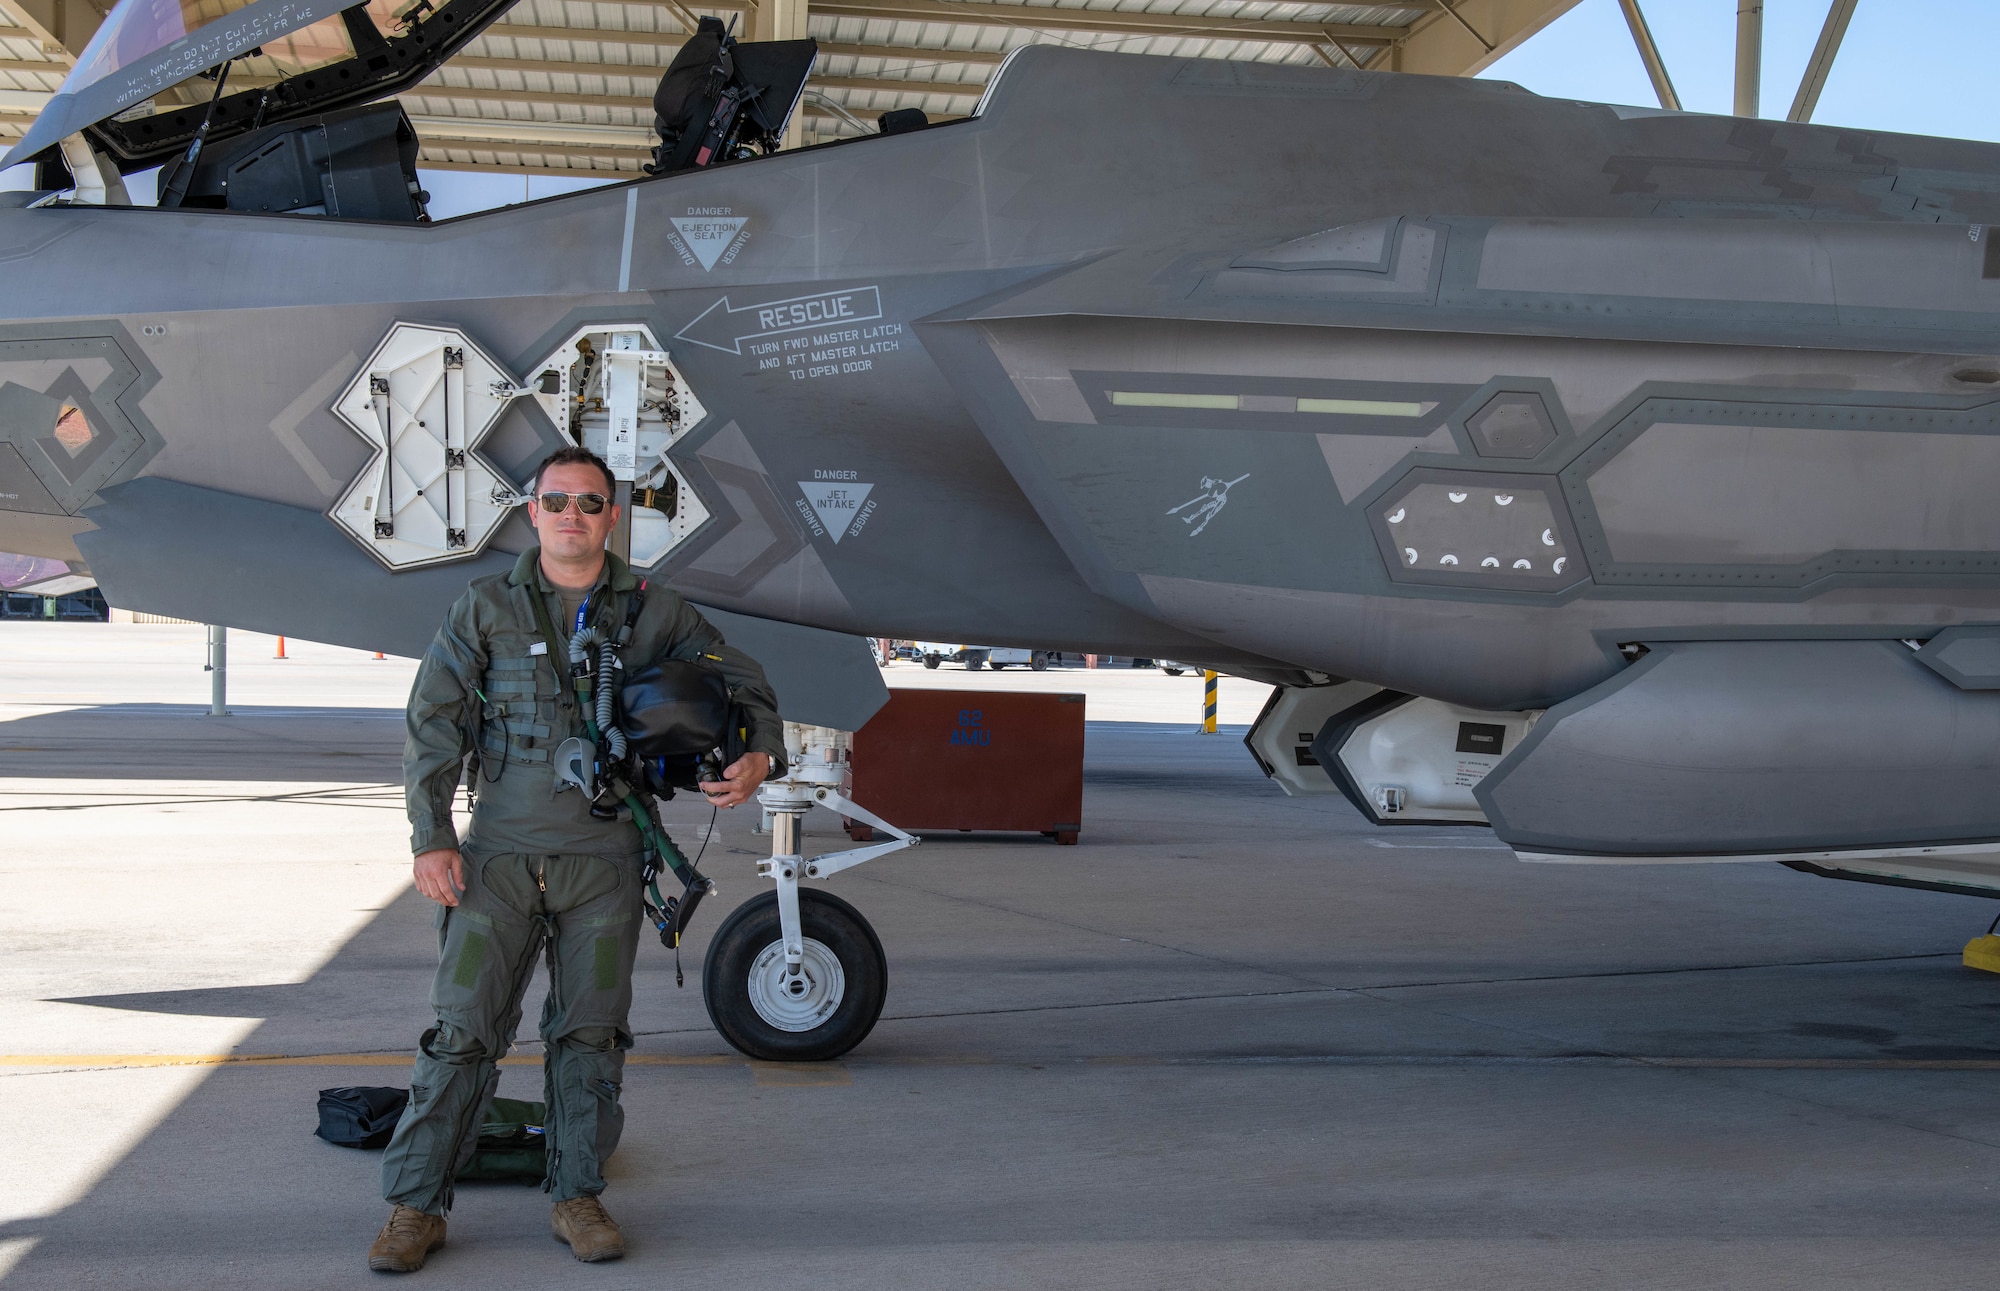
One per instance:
[(139, 87)]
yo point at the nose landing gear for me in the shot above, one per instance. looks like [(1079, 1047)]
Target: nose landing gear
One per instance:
[(798, 975)]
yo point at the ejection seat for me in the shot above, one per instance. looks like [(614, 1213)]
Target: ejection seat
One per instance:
[(723, 101)]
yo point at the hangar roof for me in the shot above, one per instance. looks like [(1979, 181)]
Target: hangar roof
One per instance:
[(565, 87)]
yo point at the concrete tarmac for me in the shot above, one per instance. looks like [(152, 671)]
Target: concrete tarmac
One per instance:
[(1230, 1039)]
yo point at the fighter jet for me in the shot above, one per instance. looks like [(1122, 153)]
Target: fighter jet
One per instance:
[(1619, 479)]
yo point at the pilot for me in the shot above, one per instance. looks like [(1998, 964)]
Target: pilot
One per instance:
[(536, 873)]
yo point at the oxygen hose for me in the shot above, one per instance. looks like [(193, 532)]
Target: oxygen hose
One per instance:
[(669, 916), (606, 697)]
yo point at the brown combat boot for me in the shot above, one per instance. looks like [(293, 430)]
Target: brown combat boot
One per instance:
[(405, 1241), (592, 1235)]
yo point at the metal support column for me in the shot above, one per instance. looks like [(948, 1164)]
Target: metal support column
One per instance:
[(218, 671), (1649, 54), (1838, 15), (1749, 56)]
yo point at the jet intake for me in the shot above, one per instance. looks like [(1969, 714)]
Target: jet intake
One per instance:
[(1406, 760)]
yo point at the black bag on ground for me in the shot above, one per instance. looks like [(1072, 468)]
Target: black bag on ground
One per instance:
[(360, 1116), (511, 1145)]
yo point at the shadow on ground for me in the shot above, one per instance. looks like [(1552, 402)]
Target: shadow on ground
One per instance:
[(182, 742), (1225, 1040)]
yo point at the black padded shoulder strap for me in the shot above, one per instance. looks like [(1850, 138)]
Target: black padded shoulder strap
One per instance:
[(633, 606)]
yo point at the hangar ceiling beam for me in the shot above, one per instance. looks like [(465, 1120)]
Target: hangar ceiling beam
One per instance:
[(1470, 30), (1749, 57), (569, 98), (63, 27), (651, 72), (44, 67), (1441, 46), (446, 134), (984, 57), (1838, 15), (607, 35), (672, 40), (433, 90), (1051, 18), (1649, 54)]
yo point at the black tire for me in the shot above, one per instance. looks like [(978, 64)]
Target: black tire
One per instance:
[(995, 666), (974, 665), (741, 948), (931, 661), (1172, 672), (1039, 662)]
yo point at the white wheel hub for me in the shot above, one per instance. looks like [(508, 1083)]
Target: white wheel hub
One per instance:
[(797, 1001)]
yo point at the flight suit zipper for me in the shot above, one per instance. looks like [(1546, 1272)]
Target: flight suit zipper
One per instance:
[(541, 866)]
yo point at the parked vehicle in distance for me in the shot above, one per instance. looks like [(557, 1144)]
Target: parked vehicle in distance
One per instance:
[(1003, 656), (1173, 667), (934, 653), (975, 657)]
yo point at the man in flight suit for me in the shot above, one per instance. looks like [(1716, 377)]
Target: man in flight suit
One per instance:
[(536, 872)]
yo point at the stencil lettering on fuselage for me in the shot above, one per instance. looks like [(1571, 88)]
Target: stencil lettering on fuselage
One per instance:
[(725, 326), (708, 234)]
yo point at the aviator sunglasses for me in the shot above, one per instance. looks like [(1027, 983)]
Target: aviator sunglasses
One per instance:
[(556, 503)]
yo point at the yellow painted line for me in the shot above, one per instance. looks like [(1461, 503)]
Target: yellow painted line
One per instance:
[(782, 1074), (796, 1075), (109, 1061), (1830, 1064)]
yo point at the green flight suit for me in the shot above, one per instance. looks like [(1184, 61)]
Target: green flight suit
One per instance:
[(542, 876)]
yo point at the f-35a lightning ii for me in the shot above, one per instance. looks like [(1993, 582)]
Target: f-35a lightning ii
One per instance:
[(1623, 479)]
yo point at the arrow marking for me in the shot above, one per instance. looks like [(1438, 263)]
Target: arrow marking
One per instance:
[(723, 326)]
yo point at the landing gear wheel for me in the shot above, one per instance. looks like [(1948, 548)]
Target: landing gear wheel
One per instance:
[(829, 1008)]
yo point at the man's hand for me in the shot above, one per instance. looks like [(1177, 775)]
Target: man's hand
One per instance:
[(739, 781), (441, 875)]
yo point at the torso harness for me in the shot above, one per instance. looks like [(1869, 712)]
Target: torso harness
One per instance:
[(613, 775)]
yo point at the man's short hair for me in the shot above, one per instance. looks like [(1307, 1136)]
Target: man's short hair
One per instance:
[(575, 455)]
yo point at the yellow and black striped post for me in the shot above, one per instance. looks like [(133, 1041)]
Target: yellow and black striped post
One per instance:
[(1208, 702)]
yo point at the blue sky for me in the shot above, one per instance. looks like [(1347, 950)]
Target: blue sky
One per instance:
[(1911, 66)]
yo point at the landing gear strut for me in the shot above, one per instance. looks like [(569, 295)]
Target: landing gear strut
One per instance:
[(798, 975)]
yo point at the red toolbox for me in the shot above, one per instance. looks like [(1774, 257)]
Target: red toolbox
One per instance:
[(972, 759)]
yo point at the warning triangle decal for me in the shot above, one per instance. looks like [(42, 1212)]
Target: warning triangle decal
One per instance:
[(709, 237), (835, 505)]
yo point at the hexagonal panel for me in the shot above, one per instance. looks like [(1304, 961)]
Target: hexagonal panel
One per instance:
[(1473, 529), (424, 400), (612, 389), (1512, 424)]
